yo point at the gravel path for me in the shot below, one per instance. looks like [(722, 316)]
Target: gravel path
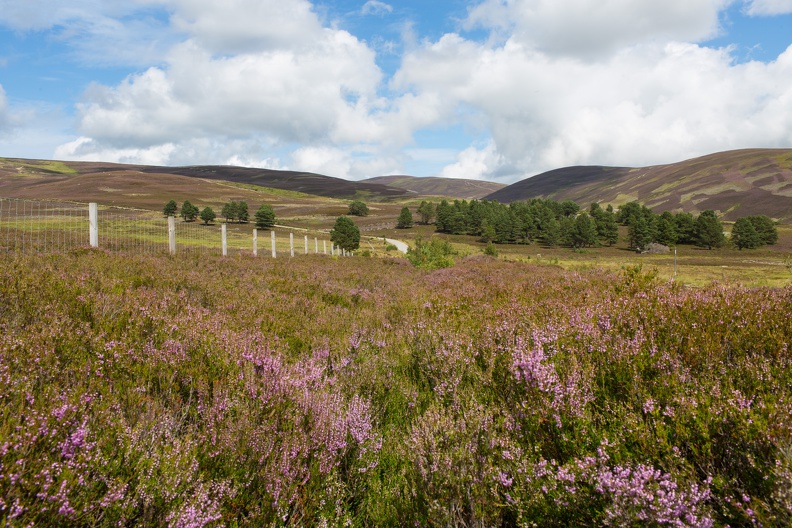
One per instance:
[(401, 246)]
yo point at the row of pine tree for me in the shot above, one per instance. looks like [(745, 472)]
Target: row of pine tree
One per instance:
[(563, 223)]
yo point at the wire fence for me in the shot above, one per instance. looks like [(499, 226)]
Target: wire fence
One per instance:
[(52, 226)]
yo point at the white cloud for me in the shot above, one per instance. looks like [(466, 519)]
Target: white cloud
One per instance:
[(564, 82), (768, 7), (234, 26), (591, 28), (320, 89), (99, 32), (374, 7), (647, 104), (474, 164)]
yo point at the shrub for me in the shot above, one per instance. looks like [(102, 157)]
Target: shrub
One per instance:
[(435, 254), (358, 208)]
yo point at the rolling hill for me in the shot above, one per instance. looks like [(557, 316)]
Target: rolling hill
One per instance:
[(57, 179), (734, 183), (434, 186)]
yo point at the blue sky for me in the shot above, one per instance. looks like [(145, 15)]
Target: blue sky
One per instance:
[(486, 89)]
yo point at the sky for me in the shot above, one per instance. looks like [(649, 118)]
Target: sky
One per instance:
[(494, 90)]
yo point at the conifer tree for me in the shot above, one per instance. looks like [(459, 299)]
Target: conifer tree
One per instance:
[(170, 209), (188, 211), (345, 234), (265, 217), (405, 220), (709, 231), (208, 215), (744, 235)]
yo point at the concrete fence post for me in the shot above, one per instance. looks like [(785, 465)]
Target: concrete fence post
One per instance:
[(224, 233), (255, 242), (172, 235), (291, 242), (324, 246), (316, 246), (274, 252), (306, 244), (93, 224)]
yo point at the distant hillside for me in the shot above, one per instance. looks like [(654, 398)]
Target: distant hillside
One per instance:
[(55, 174), (735, 183), (433, 186)]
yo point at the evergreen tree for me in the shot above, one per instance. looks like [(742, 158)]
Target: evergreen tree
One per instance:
[(444, 212), (265, 217), (171, 208), (569, 208), (666, 230), (242, 213), (685, 228), (744, 235), (358, 208), (709, 231), (427, 212), (607, 227), (405, 220), (488, 233), (208, 215), (188, 211), (583, 232), (766, 229), (345, 234), (457, 223), (229, 211), (565, 228), (638, 234), (627, 212)]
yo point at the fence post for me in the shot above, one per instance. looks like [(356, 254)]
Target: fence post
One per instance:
[(172, 235), (93, 224), (306, 244), (324, 246), (255, 242), (291, 242), (223, 231), (316, 246), (273, 243)]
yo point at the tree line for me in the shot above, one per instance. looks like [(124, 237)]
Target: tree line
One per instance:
[(554, 223), (232, 212)]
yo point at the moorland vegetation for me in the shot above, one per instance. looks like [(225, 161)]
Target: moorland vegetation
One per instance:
[(201, 391)]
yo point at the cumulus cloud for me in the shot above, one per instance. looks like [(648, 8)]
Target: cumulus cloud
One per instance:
[(769, 7), (647, 104), (374, 7), (318, 87), (475, 163), (590, 28), (234, 26), (564, 82)]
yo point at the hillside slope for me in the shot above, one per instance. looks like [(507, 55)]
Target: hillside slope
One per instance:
[(434, 186), (735, 183), (56, 174)]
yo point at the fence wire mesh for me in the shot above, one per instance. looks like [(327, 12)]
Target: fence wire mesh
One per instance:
[(52, 226)]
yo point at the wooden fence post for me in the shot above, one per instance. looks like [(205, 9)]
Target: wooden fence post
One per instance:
[(93, 224), (172, 235)]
